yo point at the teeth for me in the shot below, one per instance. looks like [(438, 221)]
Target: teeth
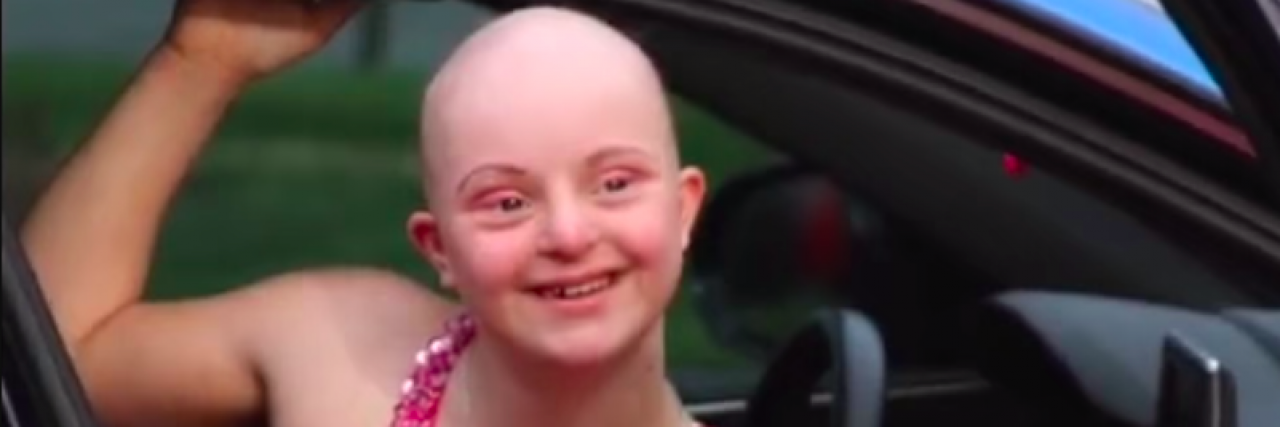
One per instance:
[(576, 291)]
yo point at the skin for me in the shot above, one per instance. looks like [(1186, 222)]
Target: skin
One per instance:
[(581, 178), (589, 181)]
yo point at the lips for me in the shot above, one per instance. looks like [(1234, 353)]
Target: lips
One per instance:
[(576, 289)]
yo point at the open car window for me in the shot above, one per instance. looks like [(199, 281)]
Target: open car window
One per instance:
[(294, 180)]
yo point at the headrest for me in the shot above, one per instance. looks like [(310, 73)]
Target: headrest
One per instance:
[(776, 244)]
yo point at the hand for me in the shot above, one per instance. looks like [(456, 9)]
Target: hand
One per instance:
[(248, 39)]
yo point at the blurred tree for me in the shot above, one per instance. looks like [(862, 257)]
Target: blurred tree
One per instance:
[(375, 29), (28, 156)]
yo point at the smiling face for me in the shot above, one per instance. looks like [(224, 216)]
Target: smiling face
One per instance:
[(559, 211)]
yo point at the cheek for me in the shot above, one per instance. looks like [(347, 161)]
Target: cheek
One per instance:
[(651, 238), (488, 262)]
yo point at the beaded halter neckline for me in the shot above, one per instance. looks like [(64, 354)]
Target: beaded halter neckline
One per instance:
[(423, 392)]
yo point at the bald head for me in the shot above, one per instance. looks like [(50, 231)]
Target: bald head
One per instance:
[(535, 75)]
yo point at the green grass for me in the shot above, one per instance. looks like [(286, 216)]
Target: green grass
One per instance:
[(315, 167)]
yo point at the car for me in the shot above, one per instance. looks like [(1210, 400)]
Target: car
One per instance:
[(986, 212)]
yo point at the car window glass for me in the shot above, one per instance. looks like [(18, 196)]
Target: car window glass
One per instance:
[(1138, 27)]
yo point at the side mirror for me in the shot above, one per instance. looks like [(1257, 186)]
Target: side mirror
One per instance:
[(772, 247)]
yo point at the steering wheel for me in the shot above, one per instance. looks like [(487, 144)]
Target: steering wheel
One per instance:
[(843, 342)]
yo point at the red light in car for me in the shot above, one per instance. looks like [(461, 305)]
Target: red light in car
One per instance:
[(1014, 166)]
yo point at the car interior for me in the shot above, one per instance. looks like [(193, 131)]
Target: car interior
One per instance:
[(886, 270), (990, 292)]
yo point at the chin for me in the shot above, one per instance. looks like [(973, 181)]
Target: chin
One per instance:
[(593, 344)]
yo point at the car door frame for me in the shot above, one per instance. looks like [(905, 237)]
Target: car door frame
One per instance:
[(40, 385), (1239, 42)]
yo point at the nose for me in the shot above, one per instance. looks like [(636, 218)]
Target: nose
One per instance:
[(568, 230)]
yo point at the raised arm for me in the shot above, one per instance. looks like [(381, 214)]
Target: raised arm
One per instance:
[(91, 237)]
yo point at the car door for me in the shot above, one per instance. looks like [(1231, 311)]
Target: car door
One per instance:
[(39, 386), (1239, 42)]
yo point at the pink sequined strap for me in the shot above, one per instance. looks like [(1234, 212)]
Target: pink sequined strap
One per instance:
[(423, 391)]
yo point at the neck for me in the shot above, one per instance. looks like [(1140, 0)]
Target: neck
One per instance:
[(630, 391)]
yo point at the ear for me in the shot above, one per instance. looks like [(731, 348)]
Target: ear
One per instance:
[(424, 232), (693, 190)]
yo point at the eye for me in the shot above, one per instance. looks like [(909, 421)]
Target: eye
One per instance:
[(501, 202), (510, 204), (619, 185), (616, 184)]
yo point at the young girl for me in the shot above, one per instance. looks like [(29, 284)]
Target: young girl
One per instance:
[(558, 210)]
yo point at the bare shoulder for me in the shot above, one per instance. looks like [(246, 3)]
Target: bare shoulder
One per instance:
[(330, 334), (376, 318), (353, 297), (357, 288), (206, 361)]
